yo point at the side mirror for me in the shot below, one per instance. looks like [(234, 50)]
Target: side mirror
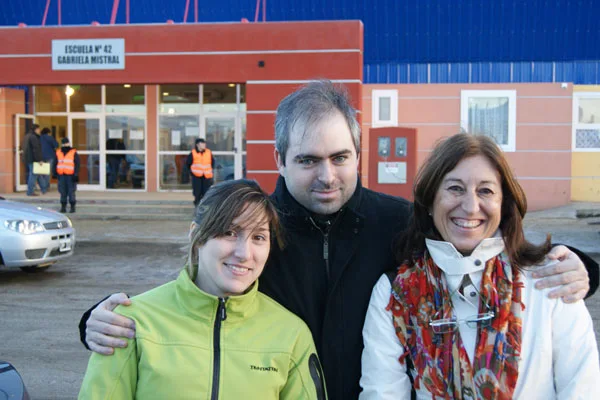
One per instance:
[(11, 384)]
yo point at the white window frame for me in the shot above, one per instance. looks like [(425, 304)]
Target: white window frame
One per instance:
[(101, 115), (578, 125), (202, 116), (512, 112), (376, 95)]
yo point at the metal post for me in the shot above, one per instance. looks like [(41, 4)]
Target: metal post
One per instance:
[(257, 8), (113, 16), (46, 12)]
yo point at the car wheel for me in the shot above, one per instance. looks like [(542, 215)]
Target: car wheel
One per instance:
[(35, 268)]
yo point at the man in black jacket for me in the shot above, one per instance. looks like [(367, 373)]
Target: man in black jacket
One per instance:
[(32, 153), (339, 237)]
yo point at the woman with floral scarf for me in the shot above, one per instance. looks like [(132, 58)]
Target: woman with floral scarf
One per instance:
[(460, 319)]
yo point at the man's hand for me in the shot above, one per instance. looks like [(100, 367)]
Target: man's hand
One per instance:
[(104, 327), (569, 274)]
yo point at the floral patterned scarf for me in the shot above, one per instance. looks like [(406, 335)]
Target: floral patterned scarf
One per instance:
[(441, 363)]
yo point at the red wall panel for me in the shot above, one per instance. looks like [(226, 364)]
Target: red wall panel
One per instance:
[(260, 126)]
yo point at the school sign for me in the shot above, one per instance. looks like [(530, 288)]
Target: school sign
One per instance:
[(88, 54)]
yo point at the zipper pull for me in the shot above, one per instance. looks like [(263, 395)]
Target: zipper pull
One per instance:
[(223, 309), (326, 246)]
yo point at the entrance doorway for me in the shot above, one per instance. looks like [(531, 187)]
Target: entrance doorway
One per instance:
[(86, 133), (214, 112), (23, 124)]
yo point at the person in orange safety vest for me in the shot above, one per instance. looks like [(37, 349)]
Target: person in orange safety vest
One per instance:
[(66, 168), (201, 163)]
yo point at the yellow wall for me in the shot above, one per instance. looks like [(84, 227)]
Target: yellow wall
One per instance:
[(585, 166), (585, 181)]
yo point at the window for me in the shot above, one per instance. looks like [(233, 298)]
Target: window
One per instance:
[(215, 112), (586, 121), (384, 108), (492, 113)]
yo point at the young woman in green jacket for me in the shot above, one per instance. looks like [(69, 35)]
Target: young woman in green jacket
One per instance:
[(210, 334)]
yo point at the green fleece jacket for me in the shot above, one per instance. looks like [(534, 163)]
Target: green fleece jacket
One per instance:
[(192, 345)]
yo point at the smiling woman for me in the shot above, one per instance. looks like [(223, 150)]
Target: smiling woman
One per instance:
[(461, 318), (211, 328), (468, 204)]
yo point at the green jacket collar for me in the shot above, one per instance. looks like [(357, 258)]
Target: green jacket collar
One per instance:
[(199, 304)]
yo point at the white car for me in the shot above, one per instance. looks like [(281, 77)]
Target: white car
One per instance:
[(32, 237)]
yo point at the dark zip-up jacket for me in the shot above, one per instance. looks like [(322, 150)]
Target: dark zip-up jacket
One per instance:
[(49, 146), (359, 250), (32, 148)]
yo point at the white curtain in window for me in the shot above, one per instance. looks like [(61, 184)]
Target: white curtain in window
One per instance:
[(489, 116)]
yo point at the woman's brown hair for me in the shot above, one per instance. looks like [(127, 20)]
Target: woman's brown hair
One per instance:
[(223, 203), (445, 157)]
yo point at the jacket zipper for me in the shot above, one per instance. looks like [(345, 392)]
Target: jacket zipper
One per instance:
[(325, 244), (326, 253), (220, 317)]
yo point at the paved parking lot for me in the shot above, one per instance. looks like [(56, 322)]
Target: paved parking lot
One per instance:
[(40, 311)]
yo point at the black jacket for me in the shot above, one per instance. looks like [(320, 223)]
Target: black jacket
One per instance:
[(32, 148), (334, 307)]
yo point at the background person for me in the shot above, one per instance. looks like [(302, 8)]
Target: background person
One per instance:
[(201, 164), (338, 238), (49, 147), (32, 153), (114, 161), (210, 333), (66, 169), (463, 311)]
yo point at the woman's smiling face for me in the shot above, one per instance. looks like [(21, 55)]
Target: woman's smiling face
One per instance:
[(468, 204)]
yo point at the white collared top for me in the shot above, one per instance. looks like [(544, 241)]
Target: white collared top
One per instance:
[(559, 356)]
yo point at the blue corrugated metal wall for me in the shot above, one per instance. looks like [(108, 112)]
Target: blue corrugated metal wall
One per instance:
[(401, 36), (578, 72)]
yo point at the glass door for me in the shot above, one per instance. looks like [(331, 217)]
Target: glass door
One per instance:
[(223, 138), (86, 132), (23, 123)]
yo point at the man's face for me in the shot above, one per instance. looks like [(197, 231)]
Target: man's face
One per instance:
[(201, 146), (321, 169), (37, 130)]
